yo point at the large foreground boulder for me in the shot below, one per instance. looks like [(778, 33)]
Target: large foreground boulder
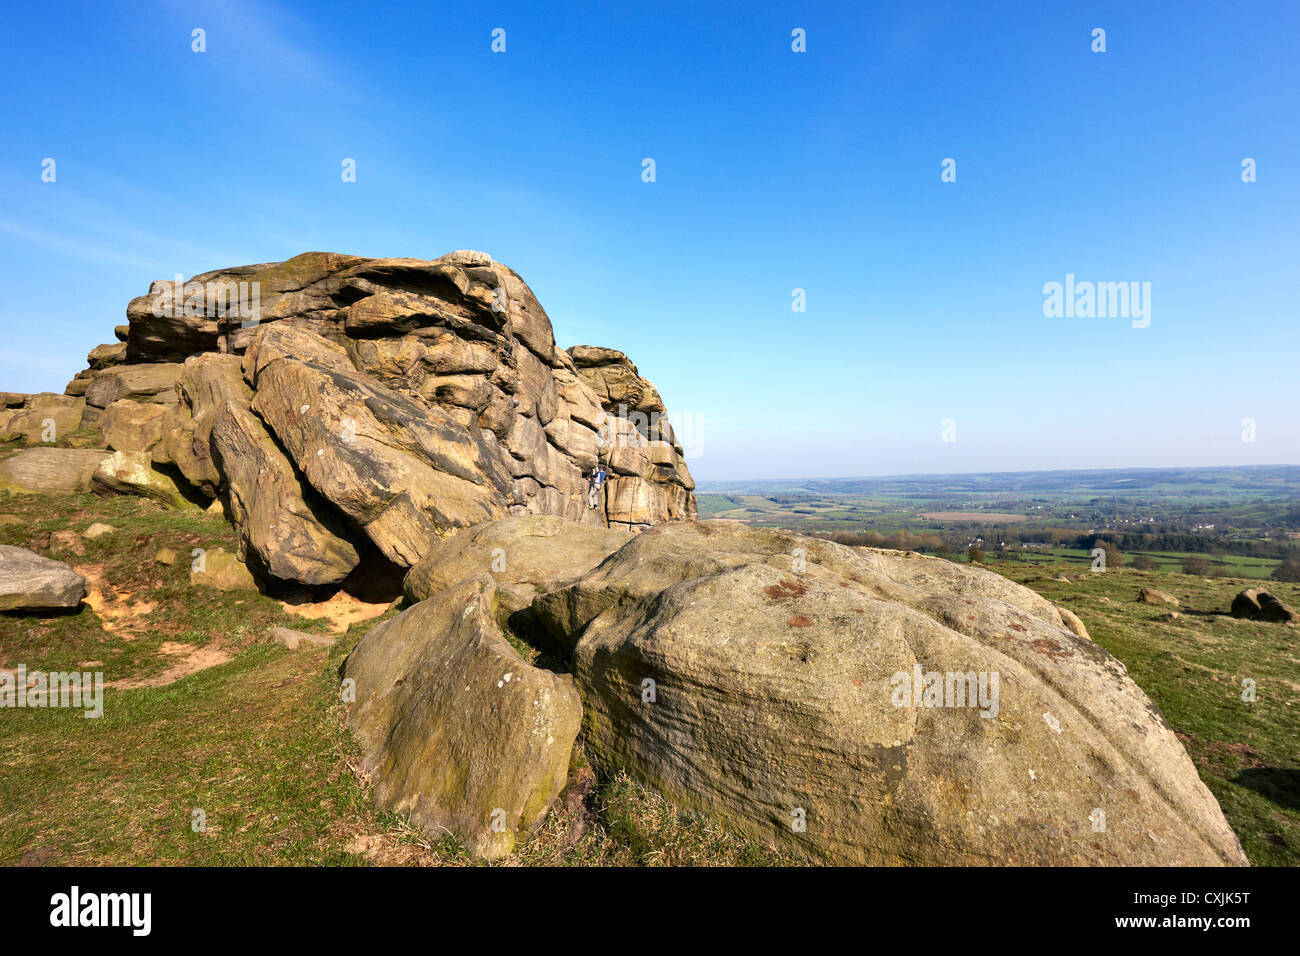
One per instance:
[(874, 707), (459, 734), (29, 582)]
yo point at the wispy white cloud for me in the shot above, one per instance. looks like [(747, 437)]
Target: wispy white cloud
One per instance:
[(78, 224), (79, 248), (250, 42)]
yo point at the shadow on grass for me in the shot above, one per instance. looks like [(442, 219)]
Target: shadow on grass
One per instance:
[(1278, 784), (45, 612)]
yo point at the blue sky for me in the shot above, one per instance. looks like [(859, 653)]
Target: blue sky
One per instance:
[(775, 170)]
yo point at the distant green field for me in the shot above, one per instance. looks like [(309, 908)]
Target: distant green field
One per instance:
[(1227, 564), (807, 513)]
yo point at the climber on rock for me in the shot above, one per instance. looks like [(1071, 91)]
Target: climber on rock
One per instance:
[(597, 481)]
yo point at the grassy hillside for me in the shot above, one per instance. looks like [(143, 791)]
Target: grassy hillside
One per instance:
[(253, 734), (1227, 565)]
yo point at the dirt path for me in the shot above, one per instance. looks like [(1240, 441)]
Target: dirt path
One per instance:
[(190, 660)]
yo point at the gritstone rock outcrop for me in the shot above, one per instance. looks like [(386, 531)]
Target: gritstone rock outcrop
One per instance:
[(344, 406)]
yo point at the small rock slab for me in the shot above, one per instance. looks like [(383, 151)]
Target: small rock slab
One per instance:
[(526, 555), (29, 582), (1156, 596), (58, 471), (222, 570), (293, 639), (67, 541)]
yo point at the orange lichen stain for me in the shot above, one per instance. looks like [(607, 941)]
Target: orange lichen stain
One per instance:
[(1045, 645), (787, 589)]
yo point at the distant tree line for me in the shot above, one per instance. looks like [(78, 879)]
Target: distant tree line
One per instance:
[(900, 540), (1200, 544), (1005, 542), (1288, 570), (1127, 541)]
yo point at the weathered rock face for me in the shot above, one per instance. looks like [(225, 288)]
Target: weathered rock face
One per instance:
[(771, 679), (285, 529), (402, 471), (338, 402), (138, 383), (131, 426), (458, 732), (132, 473), (29, 582), (102, 356), (42, 418), (612, 376), (207, 384)]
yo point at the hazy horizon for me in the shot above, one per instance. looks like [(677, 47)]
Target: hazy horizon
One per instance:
[(701, 484)]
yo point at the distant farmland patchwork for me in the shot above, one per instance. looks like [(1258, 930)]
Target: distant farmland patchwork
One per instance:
[(992, 517), (1237, 521)]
